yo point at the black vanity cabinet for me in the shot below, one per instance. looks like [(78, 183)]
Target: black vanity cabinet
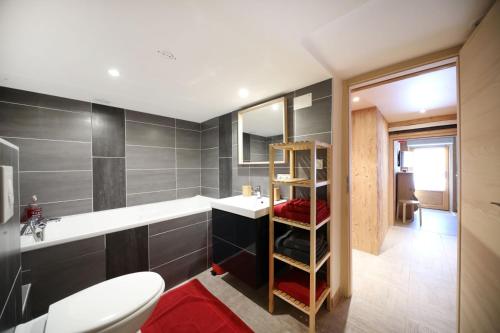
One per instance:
[(240, 246)]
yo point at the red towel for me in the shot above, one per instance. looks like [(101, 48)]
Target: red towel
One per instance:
[(304, 205), (192, 308), (283, 210), (296, 284)]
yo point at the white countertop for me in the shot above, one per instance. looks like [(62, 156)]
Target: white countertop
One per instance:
[(250, 207), (82, 226)]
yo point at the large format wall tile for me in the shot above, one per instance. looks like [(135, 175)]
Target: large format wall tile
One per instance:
[(55, 186), (225, 135), (209, 178), (109, 183), (188, 158), (188, 178), (46, 101), (108, 131), (187, 139), (183, 268), (64, 208), (210, 192), (49, 155), (210, 138), (10, 258), (190, 125), (145, 198), (188, 192), (140, 181), (158, 228), (210, 158), (166, 247), (317, 90), (149, 118), (225, 186), (150, 135), (150, 158), (30, 122), (314, 119)]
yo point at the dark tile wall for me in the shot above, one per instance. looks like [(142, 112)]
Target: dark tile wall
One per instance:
[(10, 255), (311, 123), (210, 158), (178, 261), (163, 158), (80, 157)]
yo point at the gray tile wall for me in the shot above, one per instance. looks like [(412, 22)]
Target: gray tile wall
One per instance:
[(210, 158), (10, 254), (311, 123), (78, 156), (163, 157)]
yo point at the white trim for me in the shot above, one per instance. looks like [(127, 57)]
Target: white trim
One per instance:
[(7, 143)]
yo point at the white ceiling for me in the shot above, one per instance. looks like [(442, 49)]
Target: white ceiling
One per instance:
[(65, 47), (436, 92)]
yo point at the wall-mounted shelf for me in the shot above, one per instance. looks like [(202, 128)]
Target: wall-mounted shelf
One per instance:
[(314, 265)]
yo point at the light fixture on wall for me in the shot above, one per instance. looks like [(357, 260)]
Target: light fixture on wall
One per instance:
[(275, 107), (423, 111), (243, 92), (113, 72), (356, 99)]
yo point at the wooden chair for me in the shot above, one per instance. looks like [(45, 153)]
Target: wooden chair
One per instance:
[(409, 202)]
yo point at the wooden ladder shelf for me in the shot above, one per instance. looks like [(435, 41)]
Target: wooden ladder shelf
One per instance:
[(312, 183)]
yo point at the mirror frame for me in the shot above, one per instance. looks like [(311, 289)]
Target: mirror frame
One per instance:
[(240, 130)]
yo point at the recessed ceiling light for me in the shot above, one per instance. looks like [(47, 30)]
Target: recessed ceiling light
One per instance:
[(423, 110), (356, 99), (113, 72), (243, 93), (275, 107)]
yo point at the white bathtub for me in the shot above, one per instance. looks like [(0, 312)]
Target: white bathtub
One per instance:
[(81, 226)]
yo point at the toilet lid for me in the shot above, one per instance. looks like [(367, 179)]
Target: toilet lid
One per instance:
[(104, 304)]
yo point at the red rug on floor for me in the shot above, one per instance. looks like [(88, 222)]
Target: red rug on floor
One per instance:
[(192, 308)]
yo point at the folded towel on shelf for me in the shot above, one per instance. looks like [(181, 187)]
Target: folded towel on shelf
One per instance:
[(296, 284), (302, 256), (299, 240), (286, 245), (304, 205), (284, 210)]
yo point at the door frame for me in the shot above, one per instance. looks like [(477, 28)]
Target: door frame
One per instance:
[(406, 136), (373, 77)]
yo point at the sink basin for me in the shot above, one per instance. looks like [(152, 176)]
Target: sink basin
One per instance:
[(250, 207)]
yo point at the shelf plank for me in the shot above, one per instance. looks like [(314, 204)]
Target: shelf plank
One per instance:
[(322, 298), (289, 299), (300, 265), (299, 224)]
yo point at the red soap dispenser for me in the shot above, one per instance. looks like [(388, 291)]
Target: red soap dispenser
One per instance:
[(33, 209)]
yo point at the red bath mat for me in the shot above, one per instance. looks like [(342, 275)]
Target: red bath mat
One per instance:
[(192, 308)]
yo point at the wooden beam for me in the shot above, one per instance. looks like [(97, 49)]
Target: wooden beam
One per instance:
[(446, 117)]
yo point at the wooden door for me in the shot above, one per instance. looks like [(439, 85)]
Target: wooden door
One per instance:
[(479, 118), (439, 197)]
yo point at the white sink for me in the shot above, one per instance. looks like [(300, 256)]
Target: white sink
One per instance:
[(245, 206)]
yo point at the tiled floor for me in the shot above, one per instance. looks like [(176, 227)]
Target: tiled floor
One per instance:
[(409, 287)]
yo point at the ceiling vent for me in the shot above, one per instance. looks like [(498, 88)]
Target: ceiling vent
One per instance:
[(167, 54)]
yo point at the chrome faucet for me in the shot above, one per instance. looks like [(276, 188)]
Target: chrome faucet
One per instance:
[(257, 191), (36, 227)]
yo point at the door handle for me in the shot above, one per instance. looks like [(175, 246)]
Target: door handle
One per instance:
[(495, 203)]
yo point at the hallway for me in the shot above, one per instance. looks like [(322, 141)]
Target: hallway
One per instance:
[(411, 285)]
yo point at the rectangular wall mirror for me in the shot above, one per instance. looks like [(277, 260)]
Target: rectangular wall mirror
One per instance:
[(260, 126)]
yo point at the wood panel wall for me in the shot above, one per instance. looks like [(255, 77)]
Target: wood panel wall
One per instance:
[(479, 118), (369, 180)]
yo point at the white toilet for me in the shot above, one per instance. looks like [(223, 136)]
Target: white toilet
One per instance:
[(121, 304)]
